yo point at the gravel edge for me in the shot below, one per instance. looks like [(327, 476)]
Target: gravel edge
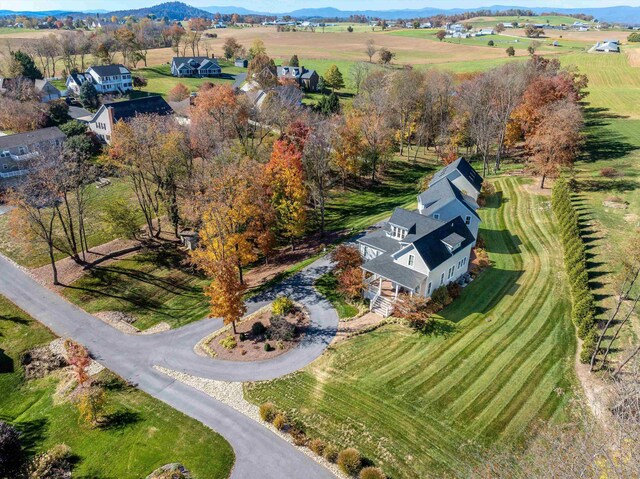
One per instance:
[(231, 394)]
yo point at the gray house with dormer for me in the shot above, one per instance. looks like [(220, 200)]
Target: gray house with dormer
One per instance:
[(195, 67), (416, 252), (105, 78)]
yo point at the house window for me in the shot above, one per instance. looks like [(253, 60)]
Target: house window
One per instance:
[(467, 220), (436, 216), (441, 279), (429, 288), (411, 259)]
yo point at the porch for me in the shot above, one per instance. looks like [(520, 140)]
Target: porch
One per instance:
[(382, 293)]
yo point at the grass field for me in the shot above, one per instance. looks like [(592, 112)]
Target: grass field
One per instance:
[(161, 81), (146, 434), (32, 253), (421, 405), (360, 206), (327, 284), (153, 286), (548, 19)]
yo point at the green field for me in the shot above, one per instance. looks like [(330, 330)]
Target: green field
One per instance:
[(145, 433), (161, 81), (359, 206), (421, 405), (153, 286), (32, 253), (548, 19), (7, 30), (327, 284)]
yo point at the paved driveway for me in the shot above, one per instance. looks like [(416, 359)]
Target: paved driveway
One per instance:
[(259, 452)]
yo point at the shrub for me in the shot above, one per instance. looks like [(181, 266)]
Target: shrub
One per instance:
[(281, 329), (346, 257), (372, 473), (608, 172), (258, 328), (490, 43), (588, 346), (229, 342), (415, 309), (349, 461), (351, 282), (299, 438), (441, 296), (242, 336), (280, 421), (482, 258), (317, 446), (454, 290), (330, 453), (11, 455), (268, 347), (53, 464), (281, 306), (179, 92), (268, 412)]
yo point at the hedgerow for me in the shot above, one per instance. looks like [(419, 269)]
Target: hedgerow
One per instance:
[(575, 261)]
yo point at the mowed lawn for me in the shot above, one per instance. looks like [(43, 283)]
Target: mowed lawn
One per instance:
[(424, 406), (144, 434), (161, 81), (33, 253), (152, 286)]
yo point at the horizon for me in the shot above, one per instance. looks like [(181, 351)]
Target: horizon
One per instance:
[(291, 5)]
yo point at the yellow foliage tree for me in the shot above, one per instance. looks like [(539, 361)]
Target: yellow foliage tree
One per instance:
[(226, 294)]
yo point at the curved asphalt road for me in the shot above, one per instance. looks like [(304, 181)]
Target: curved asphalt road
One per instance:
[(259, 452)]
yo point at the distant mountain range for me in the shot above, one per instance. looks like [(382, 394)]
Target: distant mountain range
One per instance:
[(179, 11)]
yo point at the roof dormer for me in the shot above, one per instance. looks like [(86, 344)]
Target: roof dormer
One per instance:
[(452, 241)]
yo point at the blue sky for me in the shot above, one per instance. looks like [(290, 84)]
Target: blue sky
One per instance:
[(286, 5)]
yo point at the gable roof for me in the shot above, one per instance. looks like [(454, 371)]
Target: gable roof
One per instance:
[(195, 63), (31, 137), (41, 85), (110, 70), (441, 194), (457, 168), (432, 247), (124, 110), (417, 225)]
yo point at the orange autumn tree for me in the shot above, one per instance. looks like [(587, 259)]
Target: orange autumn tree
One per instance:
[(236, 218), (347, 146), (285, 183), (226, 294)]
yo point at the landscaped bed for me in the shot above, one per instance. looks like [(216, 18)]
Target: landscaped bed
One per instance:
[(262, 335)]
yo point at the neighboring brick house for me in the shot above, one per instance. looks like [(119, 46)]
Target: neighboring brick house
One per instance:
[(106, 79), (307, 79), (17, 150), (110, 113)]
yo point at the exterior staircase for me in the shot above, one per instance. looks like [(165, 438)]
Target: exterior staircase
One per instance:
[(382, 306)]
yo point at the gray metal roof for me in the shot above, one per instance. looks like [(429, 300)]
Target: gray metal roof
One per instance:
[(453, 240), (417, 225), (459, 167), (443, 192), (380, 241), (384, 266)]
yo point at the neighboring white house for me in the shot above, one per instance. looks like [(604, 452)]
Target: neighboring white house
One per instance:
[(461, 174), (106, 79), (416, 252), (198, 67), (110, 113)]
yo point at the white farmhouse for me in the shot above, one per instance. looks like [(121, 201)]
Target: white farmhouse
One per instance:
[(416, 252), (106, 79)]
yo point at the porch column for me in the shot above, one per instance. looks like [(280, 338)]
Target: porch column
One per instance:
[(380, 285), (396, 296)]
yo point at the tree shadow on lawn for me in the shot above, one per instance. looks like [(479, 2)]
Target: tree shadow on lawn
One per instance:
[(32, 434), (602, 141), (6, 363), (119, 420)]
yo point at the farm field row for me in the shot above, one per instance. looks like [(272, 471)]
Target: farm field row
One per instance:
[(419, 404)]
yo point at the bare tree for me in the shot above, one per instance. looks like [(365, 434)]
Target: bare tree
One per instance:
[(358, 73), (370, 49)]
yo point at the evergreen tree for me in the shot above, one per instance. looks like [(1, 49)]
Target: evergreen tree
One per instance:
[(328, 105), (89, 95), (294, 62), (25, 66)]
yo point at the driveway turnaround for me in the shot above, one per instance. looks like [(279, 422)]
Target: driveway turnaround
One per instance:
[(259, 452)]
